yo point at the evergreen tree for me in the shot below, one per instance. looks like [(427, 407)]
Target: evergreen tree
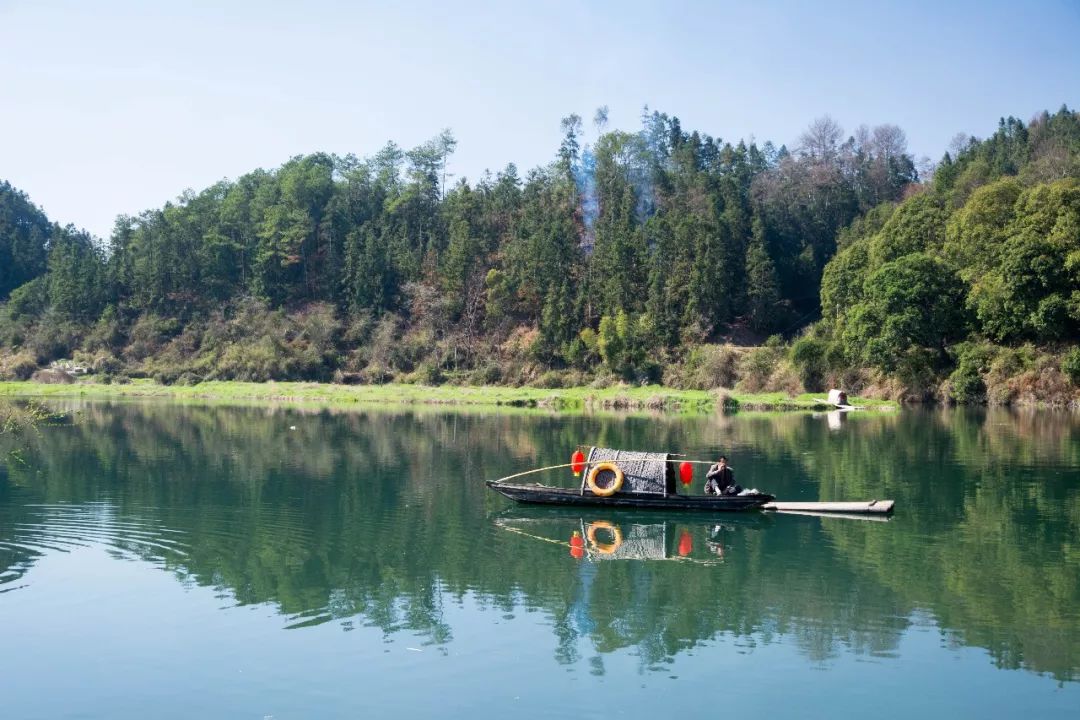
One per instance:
[(762, 289)]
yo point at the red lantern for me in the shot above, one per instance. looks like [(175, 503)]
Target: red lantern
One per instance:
[(686, 473), (577, 545), (577, 462), (686, 543)]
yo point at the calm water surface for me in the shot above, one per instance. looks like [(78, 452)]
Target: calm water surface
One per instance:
[(172, 561)]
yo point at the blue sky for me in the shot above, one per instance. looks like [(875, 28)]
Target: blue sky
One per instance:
[(115, 107)]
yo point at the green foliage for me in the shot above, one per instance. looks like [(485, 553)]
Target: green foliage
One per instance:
[(976, 232), (1027, 293), (763, 288), (625, 251), (916, 226), (17, 367), (998, 233), (706, 367), (843, 278), (811, 359), (966, 385), (24, 238), (76, 276), (757, 367), (625, 345), (910, 304), (30, 300), (1070, 365)]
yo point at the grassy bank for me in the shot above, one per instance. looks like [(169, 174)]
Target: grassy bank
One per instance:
[(650, 397)]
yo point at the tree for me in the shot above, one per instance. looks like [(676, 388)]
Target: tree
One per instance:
[(976, 233), (821, 140), (762, 288), (76, 273), (1028, 293), (24, 238), (911, 304)]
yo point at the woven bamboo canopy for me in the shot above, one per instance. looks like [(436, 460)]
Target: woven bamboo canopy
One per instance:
[(644, 472)]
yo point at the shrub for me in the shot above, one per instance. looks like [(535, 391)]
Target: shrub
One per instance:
[(106, 333), (724, 399), (166, 376), (18, 367), (149, 334), (602, 381), (707, 367), (756, 367), (966, 385), (785, 378), (52, 339), (810, 359), (1042, 385), (429, 374), (551, 379), (1013, 361), (1006, 365), (1070, 365), (487, 374), (106, 364), (915, 372)]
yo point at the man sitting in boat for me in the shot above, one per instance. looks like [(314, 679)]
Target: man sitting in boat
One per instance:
[(720, 480)]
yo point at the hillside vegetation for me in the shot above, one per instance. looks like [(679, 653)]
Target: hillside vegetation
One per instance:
[(969, 290), (653, 256)]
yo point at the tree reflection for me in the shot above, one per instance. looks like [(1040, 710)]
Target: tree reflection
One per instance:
[(382, 519)]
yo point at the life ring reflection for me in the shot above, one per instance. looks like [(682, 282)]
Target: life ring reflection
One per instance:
[(612, 529)]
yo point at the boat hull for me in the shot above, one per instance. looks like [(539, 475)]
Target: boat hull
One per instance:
[(540, 495)]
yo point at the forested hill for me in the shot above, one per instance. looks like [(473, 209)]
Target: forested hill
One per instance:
[(620, 257), (974, 280)]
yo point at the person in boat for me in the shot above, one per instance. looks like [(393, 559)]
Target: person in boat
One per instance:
[(720, 480)]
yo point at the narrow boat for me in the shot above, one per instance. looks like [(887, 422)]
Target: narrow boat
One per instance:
[(626, 479)]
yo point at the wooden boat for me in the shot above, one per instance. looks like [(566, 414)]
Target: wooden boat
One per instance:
[(642, 480), (545, 495), (647, 481)]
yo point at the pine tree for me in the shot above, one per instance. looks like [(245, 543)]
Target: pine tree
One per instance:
[(762, 287)]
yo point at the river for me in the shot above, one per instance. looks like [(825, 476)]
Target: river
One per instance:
[(176, 561)]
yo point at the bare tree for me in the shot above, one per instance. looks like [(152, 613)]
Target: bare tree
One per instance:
[(821, 141), (888, 141), (863, 138)]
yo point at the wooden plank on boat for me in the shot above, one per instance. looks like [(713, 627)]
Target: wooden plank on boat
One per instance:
[(873, 507)]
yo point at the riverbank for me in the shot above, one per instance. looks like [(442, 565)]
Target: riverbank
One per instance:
[(649, 397)]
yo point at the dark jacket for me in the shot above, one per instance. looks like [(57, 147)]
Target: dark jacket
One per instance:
[(719, 478)]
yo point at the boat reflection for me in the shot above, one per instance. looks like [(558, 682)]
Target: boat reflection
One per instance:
[(644, 537)]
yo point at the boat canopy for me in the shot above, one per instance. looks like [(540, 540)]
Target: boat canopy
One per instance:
[(643, 472)]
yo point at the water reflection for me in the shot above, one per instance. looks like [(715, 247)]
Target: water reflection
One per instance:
[(381, 519), (629, 536)]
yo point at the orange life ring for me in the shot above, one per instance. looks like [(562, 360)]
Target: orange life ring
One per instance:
[(610, 489), (604, 548)]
